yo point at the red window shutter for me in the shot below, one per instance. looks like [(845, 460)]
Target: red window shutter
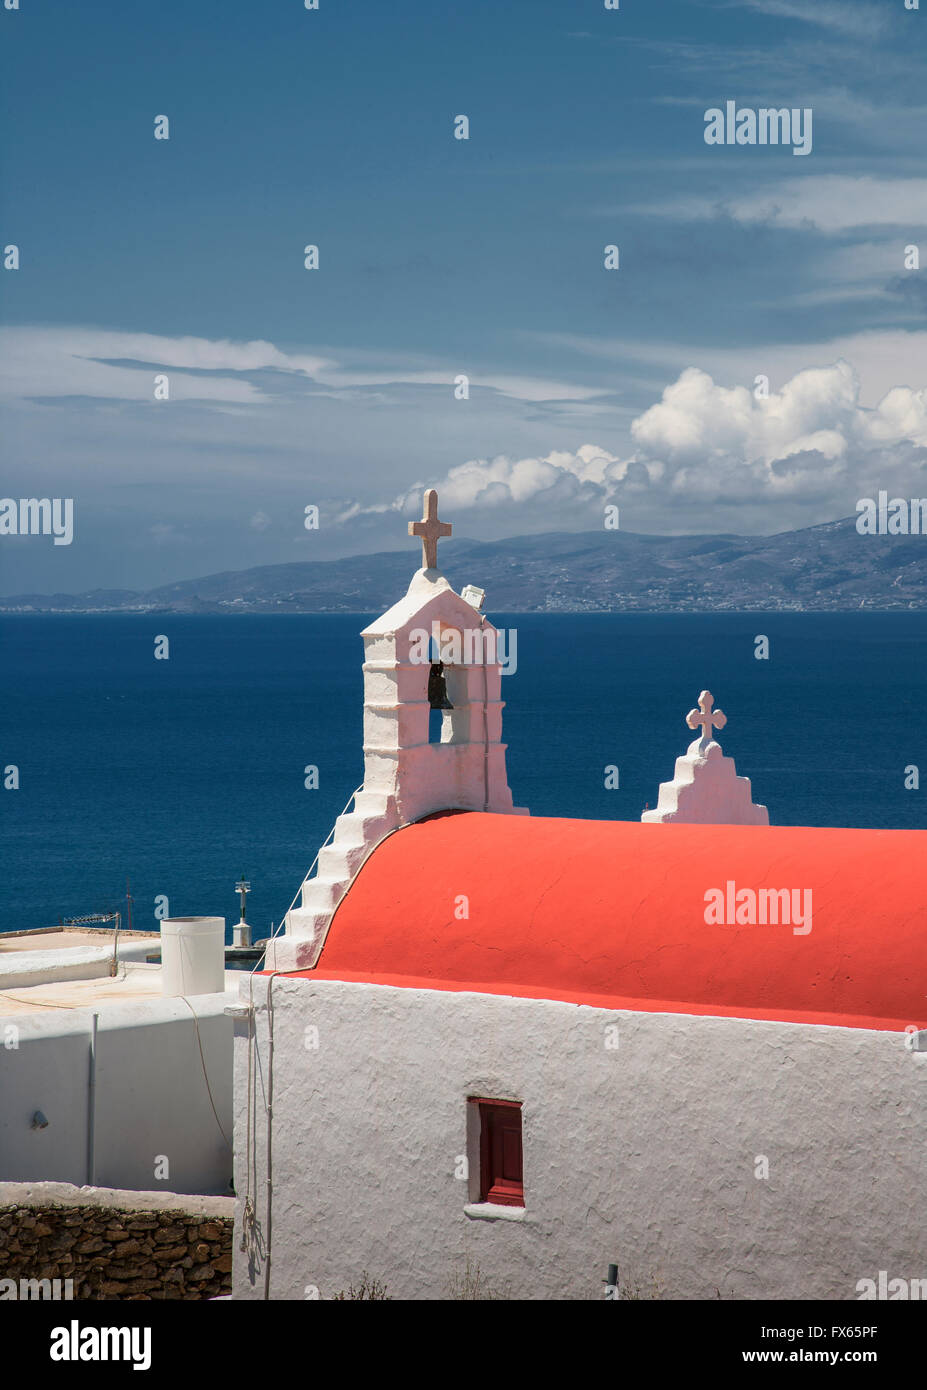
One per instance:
[(501, 1174)]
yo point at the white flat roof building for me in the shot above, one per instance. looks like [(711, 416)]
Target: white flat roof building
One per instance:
[(106, 1079)]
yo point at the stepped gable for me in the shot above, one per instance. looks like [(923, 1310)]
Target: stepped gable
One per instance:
[(706, 789)]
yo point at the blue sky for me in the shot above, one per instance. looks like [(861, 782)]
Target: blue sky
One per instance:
[(441, 257)]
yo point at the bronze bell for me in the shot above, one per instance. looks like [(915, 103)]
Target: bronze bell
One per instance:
[(437, 687)]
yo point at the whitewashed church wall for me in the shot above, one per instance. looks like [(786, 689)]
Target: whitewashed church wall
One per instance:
[(151, 1097), (645, 1155)]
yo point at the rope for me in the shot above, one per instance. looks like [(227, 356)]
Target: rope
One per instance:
[(37, 1003), (268, 1160), (199, 1043), (247, 1223)]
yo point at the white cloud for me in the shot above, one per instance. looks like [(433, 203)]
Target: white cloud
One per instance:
[(699, 454), (166, 533), (482, 483), (58, 362), (703, 448), (49, 363), (881, 360), (828, 202), (93, 362), (557, 488), (809, 436), (811, 441)]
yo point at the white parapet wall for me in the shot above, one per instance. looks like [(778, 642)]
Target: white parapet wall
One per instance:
[(21, 969), (66, 1194), (149, 1106), (645, 1136)]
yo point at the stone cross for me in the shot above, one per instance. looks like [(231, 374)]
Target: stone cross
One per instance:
[(705, 715), (430, 529)]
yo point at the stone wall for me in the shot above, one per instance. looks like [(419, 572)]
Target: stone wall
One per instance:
[(115, 1244)]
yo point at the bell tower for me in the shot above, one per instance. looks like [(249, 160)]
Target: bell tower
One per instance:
[(432, 649)]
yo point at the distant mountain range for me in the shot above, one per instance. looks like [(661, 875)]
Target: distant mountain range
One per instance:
[(820, 567)]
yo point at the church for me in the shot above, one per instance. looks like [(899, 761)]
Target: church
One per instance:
[(499, 1055)]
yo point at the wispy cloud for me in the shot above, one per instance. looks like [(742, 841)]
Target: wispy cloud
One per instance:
[(863, 21), (45, 363), (828, 202)]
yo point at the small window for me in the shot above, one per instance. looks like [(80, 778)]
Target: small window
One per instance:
[(501, 1178)]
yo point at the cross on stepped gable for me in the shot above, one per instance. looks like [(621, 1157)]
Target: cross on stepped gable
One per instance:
[(705, 715), (430, 529)]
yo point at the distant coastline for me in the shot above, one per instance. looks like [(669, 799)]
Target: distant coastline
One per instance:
[(826, 568)]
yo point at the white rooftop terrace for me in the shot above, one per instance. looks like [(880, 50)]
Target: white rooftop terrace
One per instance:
[(74, 957), (68, 938), (135, 983)]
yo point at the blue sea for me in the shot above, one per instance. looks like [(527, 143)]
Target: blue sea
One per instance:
[(181, 775)]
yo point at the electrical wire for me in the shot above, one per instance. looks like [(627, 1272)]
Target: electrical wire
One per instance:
[(199, 1043)]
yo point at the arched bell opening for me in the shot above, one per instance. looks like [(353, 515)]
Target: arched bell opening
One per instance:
[(448, 693)]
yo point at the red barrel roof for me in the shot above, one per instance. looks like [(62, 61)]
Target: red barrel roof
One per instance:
[(612, 914)]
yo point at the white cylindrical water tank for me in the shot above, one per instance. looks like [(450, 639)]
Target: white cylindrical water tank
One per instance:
[(193, 955)]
